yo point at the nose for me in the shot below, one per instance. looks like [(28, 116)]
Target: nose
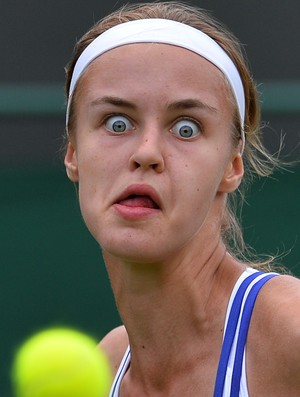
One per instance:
[(148, 152)]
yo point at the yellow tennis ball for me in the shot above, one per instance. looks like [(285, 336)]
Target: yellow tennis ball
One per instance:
[(61, 362)]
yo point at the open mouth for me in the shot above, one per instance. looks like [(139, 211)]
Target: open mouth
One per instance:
[(139, 197), (135, 200)]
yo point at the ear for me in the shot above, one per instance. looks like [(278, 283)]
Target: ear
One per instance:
[(71, 163), (233, 174)]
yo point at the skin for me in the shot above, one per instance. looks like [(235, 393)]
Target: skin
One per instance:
[(154, 199)]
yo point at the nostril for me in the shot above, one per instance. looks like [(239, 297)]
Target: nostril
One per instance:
[(147, 157)]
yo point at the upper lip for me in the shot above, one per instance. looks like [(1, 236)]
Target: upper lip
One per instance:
[(140, 190)]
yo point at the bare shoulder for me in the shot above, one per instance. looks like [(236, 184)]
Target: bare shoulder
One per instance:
[(281, 306), (282, 298), (114, 345), (276, 334)]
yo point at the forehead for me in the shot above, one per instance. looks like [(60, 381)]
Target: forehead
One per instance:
[(155, 68)]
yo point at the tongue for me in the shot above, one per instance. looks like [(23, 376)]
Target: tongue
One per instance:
[(139, 201)]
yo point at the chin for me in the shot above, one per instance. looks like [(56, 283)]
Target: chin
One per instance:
[(132, 251), (133, 254)]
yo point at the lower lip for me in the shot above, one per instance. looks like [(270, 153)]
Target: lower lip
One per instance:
[(135, 213)]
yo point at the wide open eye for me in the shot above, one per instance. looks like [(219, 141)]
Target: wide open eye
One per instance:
[(118, 124), (186, 128)]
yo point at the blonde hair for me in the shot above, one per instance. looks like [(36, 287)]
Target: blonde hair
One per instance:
[(257, 160)]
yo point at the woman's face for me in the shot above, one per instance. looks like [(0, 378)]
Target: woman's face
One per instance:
[(152, 151)]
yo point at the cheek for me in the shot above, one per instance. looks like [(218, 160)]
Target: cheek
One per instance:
[(88, 192), (199, 186), (91, 182), (97, 170), (95, 164)]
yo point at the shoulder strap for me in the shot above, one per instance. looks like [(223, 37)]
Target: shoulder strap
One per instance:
[(257, 279), (244, 327), (114, 392)]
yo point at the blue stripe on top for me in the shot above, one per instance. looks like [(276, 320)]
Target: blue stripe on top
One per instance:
[(231, 329), (120, 374), (238, 323)]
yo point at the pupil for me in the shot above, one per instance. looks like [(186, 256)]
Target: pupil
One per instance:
[(186, 131), (119, 126)]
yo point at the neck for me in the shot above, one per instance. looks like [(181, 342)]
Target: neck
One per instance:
[(164, 303), (174, 312)]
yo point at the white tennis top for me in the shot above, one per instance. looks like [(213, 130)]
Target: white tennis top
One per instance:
[(243, 390)]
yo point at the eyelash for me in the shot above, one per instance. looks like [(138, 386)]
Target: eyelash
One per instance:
[(117, 116), (186, 121), (126, 120)]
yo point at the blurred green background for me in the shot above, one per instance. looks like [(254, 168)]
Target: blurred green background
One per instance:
[(51, 271), (51, 268)]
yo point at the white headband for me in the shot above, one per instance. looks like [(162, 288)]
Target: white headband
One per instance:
[(163, 31)]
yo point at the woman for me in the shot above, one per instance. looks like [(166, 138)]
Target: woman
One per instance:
[(162, 120)]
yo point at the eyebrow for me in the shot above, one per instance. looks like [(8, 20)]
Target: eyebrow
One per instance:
[(112, 100), (189, 103)]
